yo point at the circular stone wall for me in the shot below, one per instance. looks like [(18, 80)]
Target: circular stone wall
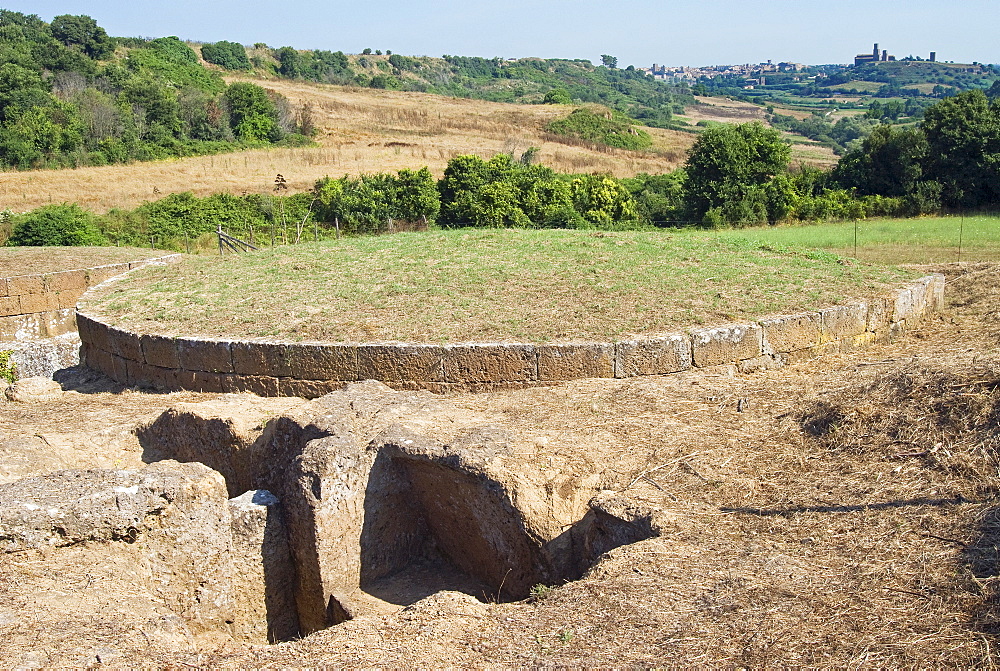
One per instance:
[(274, 368)]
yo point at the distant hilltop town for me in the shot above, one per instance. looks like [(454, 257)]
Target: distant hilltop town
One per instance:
[(752, 71)]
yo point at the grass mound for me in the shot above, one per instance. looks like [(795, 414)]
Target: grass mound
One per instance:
[(486, 285)]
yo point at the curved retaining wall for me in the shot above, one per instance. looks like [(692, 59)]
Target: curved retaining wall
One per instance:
[(270, 368), (44, 305)]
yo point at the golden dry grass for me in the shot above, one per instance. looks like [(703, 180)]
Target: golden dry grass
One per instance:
[(360, 131)]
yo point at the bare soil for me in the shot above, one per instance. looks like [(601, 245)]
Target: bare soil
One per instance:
[(838, 512)]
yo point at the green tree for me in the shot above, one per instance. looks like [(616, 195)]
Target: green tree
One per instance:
[(730, 163), (609, 61), (84, 33), (603, 201), (56, 225), (557, 97), (252, 114), (229, 55), (888, 163), (504, 192), (963, 148), (290, 62)]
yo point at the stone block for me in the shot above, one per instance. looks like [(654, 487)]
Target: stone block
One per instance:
[(879, 311), (653, 356), (264, 580), (910, 302), (25, 284), (935, 293), (97, 275), (119, 369), (764, 362), (4, 291), (308, 361), (137, 373), (91, 331), (70, 280), (401, 363), (726, 344), (843, 321), (260, 358), (97, 359), (788, 333), (159, 351), (124, 344), (67, 299), (43, 302), (573, 361), (9, 327), (492, 362), (207, 382), (9, 306), (163, 378), (261, 385), (288, 386), (59, 322), (209, 356)]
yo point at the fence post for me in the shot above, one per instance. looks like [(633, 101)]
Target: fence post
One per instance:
[(218, 232), (961, 233)]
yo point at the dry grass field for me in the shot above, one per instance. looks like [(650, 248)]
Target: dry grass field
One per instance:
[(360, 131), (368, 131)]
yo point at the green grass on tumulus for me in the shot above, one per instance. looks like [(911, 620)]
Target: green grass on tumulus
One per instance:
[(487, 286)]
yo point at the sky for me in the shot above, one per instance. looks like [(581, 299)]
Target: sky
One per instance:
[(637, 32)]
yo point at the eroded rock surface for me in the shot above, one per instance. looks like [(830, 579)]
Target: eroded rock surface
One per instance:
[(388, 493), (188, 549)]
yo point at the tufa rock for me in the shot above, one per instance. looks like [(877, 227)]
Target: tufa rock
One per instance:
[(34, 390)]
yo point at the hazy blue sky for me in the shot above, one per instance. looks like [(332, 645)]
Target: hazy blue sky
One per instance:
[(639, 32)]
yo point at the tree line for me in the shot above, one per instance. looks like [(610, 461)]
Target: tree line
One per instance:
[(70, 95)]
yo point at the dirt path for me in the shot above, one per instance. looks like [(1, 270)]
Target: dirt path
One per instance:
[(867, 547)]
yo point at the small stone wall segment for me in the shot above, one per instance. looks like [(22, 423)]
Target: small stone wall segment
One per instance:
[(34, 307), (269, 368)]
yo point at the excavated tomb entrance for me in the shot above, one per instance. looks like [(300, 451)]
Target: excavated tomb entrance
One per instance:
[(379, 524)]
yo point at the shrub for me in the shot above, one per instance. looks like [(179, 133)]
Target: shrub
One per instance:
[(56, 225), (229, 55), (612, 129)]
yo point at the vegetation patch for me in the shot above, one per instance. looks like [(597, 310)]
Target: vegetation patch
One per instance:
[(485, 285), (607, 127)]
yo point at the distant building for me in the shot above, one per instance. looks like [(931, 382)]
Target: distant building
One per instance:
[(874, 57)]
